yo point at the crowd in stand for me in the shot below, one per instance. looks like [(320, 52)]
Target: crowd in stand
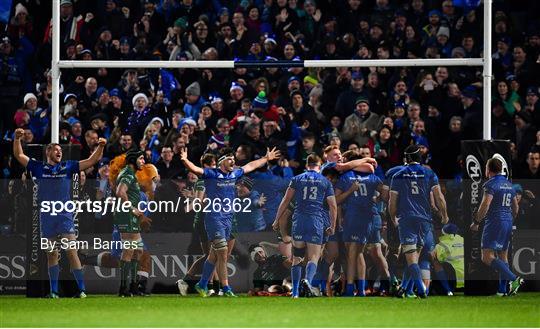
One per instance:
[(377, 111)]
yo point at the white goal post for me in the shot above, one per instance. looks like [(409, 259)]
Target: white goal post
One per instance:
[(57, 64)]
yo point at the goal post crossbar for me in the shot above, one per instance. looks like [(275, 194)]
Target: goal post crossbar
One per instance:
[(58, 64)]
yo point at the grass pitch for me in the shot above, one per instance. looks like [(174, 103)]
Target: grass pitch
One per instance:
[(175, 311)]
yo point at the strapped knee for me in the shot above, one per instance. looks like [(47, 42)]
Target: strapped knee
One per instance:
[(220, 244), (408, 248)]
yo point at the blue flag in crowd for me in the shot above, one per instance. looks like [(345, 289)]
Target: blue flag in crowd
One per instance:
[(168, 84), (5, 9)]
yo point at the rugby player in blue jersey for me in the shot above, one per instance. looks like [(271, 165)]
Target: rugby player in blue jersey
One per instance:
[(410, 199), (356, 192), (53, 178), (220, 188), (498, 208), (310, 190)]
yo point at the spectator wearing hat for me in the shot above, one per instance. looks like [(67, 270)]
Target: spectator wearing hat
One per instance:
[(75, 131), (508, 97), (360, 125), (139, 117), (106, 48), (472, 119), (39, 117), (532, 105), (346, 101), (194, 101), (443, 42), (70, 26), (303, 114), (502, 58), (430, 30), (99, 123), (253, 220), (20, 23), (236, 94)]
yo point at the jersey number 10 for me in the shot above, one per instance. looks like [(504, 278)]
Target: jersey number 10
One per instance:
[(363, 190)]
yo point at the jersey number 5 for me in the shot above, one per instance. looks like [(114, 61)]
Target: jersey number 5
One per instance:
[(312, 193), (414, 187)]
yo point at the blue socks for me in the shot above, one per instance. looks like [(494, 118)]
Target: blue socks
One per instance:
[(54, 272), (361, 285), (227, 288), (442, 277), (78, 274), (416, 277), (503, 269), (311, 269), (406, 278), (208, 269), (296, 274), (349, 290), (322, 275)]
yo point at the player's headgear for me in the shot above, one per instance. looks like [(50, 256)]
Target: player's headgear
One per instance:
[(254, 249), (412, 154), (132, 156), (450, 229), (225, 157)]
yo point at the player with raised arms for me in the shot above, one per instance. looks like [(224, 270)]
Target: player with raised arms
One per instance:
[(54, 185), (310, 190), (220, 187), (498, 208), (410, 198)]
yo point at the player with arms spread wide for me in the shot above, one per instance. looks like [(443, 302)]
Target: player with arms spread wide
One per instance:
[(220, 186), (498, 207), (54, 183)]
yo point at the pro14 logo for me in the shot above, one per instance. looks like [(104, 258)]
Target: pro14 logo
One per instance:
[(474, 170)]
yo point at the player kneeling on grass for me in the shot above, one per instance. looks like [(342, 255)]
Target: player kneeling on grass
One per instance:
[(54, 185), (498, 207), (221, 193), (128, 191), (310, 190)]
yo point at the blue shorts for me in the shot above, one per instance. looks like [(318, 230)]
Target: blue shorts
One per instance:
[(336, 237), (428, 239), (411, 231), (217, 229), (51, 226), (357, 231), (496, 235), (310, 231), (375, 230)]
